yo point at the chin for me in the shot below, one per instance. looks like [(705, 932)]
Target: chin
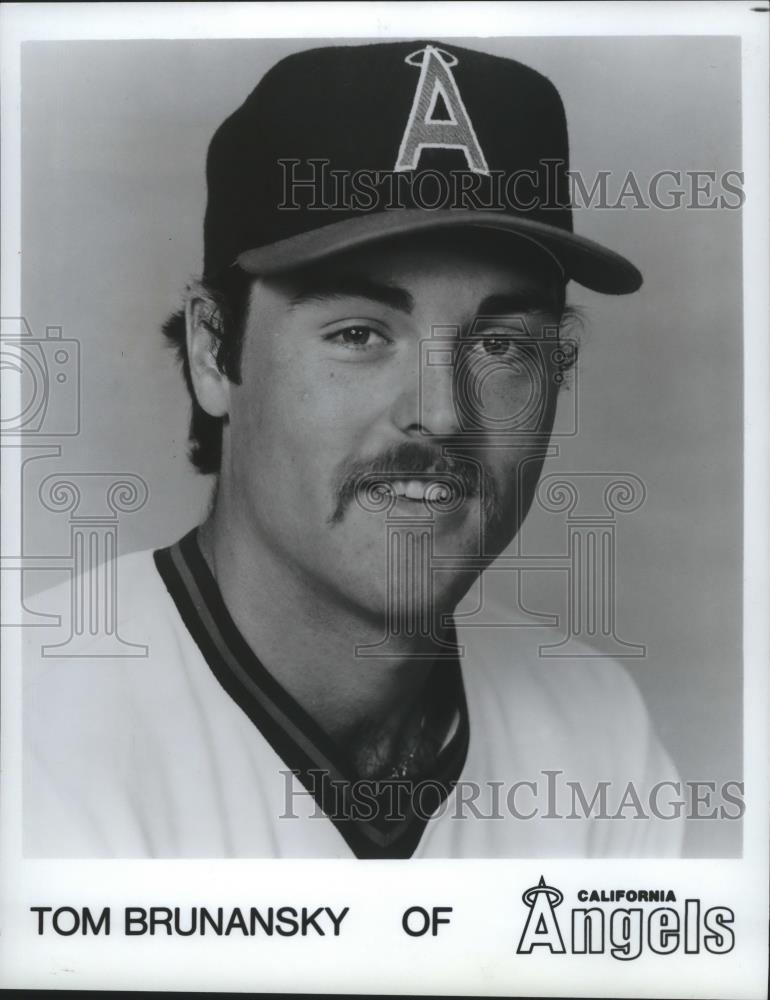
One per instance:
[(420, 608), (409, 606)]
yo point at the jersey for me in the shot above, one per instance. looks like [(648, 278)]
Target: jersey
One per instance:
[(195, 750)]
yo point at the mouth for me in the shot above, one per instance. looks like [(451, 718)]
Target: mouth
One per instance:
[(434, 491), (419, 491), (408, 478)]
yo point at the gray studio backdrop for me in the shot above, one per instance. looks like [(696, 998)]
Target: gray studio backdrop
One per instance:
[(114, 140)]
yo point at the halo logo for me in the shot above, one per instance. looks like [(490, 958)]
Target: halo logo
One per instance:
[(624, 932), (542, 927), (424, 129)]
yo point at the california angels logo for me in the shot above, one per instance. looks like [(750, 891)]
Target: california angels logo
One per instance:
[(426, 131), (542, 927), (621, 931)]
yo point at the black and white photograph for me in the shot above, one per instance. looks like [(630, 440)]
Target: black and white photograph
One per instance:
[(385, 496)]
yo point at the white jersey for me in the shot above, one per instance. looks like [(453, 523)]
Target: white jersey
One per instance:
[(194, 750)]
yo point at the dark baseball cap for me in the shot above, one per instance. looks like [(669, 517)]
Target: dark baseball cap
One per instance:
[(337, 147)]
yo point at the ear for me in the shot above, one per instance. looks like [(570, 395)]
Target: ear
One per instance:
[(212, 387)]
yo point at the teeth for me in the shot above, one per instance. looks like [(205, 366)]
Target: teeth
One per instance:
[(414, 489)]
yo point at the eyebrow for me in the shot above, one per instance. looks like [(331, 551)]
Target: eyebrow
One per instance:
[(345, 286), (514, 304), (327, 288)]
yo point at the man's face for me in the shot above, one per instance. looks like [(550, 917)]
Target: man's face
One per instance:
[(392, 415)]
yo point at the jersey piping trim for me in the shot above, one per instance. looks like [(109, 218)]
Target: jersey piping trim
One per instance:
[(377, 819)]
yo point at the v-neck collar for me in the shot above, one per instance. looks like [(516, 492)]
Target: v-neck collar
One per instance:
[(401, 807)]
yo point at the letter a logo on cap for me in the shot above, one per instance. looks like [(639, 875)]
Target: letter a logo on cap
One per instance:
[(423, 130)]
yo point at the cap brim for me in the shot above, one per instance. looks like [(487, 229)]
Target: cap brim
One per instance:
[(582, 260)]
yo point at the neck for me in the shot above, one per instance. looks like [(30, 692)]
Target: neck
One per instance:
[(307, 640)]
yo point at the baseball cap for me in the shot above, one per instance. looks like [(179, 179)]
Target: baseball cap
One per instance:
[(340, 146)]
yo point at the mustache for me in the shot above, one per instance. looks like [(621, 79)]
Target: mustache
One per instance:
[(468, 476)]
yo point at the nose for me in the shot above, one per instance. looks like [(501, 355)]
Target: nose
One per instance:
[(426, 403)]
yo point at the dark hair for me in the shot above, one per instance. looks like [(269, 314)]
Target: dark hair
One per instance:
[(229, 293)]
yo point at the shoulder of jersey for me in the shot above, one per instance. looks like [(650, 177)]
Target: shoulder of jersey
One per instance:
[(586, 693), (136, 604), (78, 691)]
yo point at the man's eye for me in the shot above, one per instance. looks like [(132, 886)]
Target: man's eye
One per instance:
[(496, 344), (357, 336), (503, 345)]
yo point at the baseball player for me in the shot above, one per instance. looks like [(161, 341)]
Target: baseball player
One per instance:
[(370, 358)]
